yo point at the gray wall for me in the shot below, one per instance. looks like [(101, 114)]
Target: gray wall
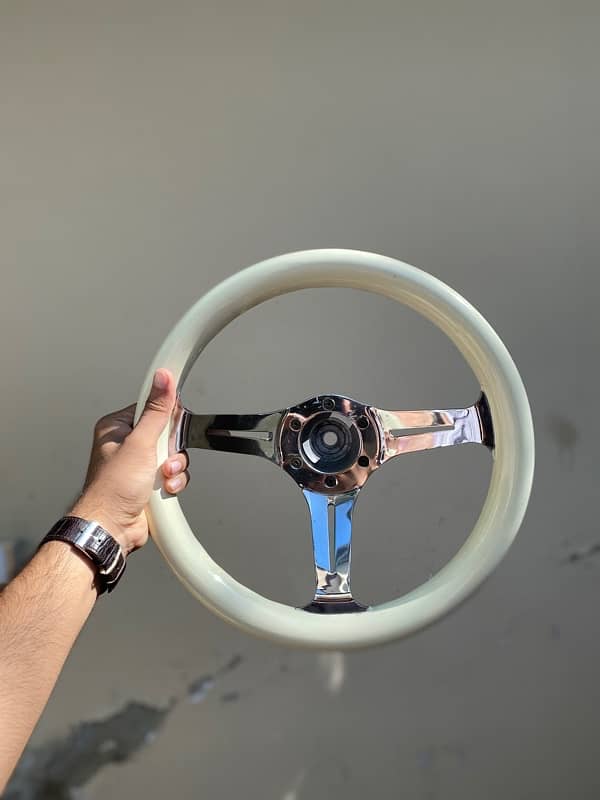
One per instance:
[(151, 149)]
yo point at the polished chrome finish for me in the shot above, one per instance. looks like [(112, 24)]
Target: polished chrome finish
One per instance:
[(325, 433), (332, 442), (252, 434), (319, 442), (330, 445), (180, 420), (411, 431), (331, 519)]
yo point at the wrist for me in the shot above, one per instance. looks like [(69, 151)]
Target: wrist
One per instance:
[(70, 557), (95, 543)]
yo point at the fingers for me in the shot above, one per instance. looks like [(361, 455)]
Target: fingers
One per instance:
[(176, 475), (158, 408), (178, 484), (175, 464)]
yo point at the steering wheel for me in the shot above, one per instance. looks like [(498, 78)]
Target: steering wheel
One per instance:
[(330, 445)]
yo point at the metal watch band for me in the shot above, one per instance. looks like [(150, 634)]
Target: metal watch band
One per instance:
[(89, 537)]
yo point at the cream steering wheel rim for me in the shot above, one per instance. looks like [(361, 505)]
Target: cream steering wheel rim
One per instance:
[(512, 472)]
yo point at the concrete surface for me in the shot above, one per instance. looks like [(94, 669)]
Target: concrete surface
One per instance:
[(151, 149)]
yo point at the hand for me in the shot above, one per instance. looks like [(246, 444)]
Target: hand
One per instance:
[(122, 468)]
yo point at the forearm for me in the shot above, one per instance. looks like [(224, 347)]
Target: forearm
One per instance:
[(41, 614), (43, 610)]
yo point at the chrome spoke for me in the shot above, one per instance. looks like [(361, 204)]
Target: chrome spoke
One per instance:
[(331, 519), (411, 431), (252, 434)]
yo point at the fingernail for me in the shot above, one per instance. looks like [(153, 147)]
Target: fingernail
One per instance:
[(176, 483), (160, 380), (175, 466)]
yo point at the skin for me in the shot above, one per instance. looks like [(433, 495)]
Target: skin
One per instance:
[(43, 610)]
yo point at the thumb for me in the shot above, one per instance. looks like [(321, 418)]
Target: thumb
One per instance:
[(158, 408)]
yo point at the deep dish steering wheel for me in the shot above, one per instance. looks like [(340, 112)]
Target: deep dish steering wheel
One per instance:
[(330, 445)]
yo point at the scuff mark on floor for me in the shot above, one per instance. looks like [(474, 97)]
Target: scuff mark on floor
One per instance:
[(296, 785), (59, 769), (326, 776), (199, 689), (583, 553), (565, 435), (433, 761), (333, 670), (429, 757), (233, 663)]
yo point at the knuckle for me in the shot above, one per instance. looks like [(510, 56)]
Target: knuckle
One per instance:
[(156, 406), (181, 460)]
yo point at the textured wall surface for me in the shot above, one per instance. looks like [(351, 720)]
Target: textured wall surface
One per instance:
[(150, 149)]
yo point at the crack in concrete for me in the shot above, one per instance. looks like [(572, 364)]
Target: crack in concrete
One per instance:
[(58, 769)]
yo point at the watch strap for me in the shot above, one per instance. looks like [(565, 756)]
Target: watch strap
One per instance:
[(91, 539)]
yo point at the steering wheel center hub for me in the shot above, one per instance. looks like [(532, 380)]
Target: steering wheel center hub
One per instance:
[(330, 442)]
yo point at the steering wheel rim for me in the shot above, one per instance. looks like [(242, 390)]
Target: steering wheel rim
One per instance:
[(510, 483)]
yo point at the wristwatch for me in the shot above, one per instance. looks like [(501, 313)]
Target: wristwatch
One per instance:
[(90, 538)]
